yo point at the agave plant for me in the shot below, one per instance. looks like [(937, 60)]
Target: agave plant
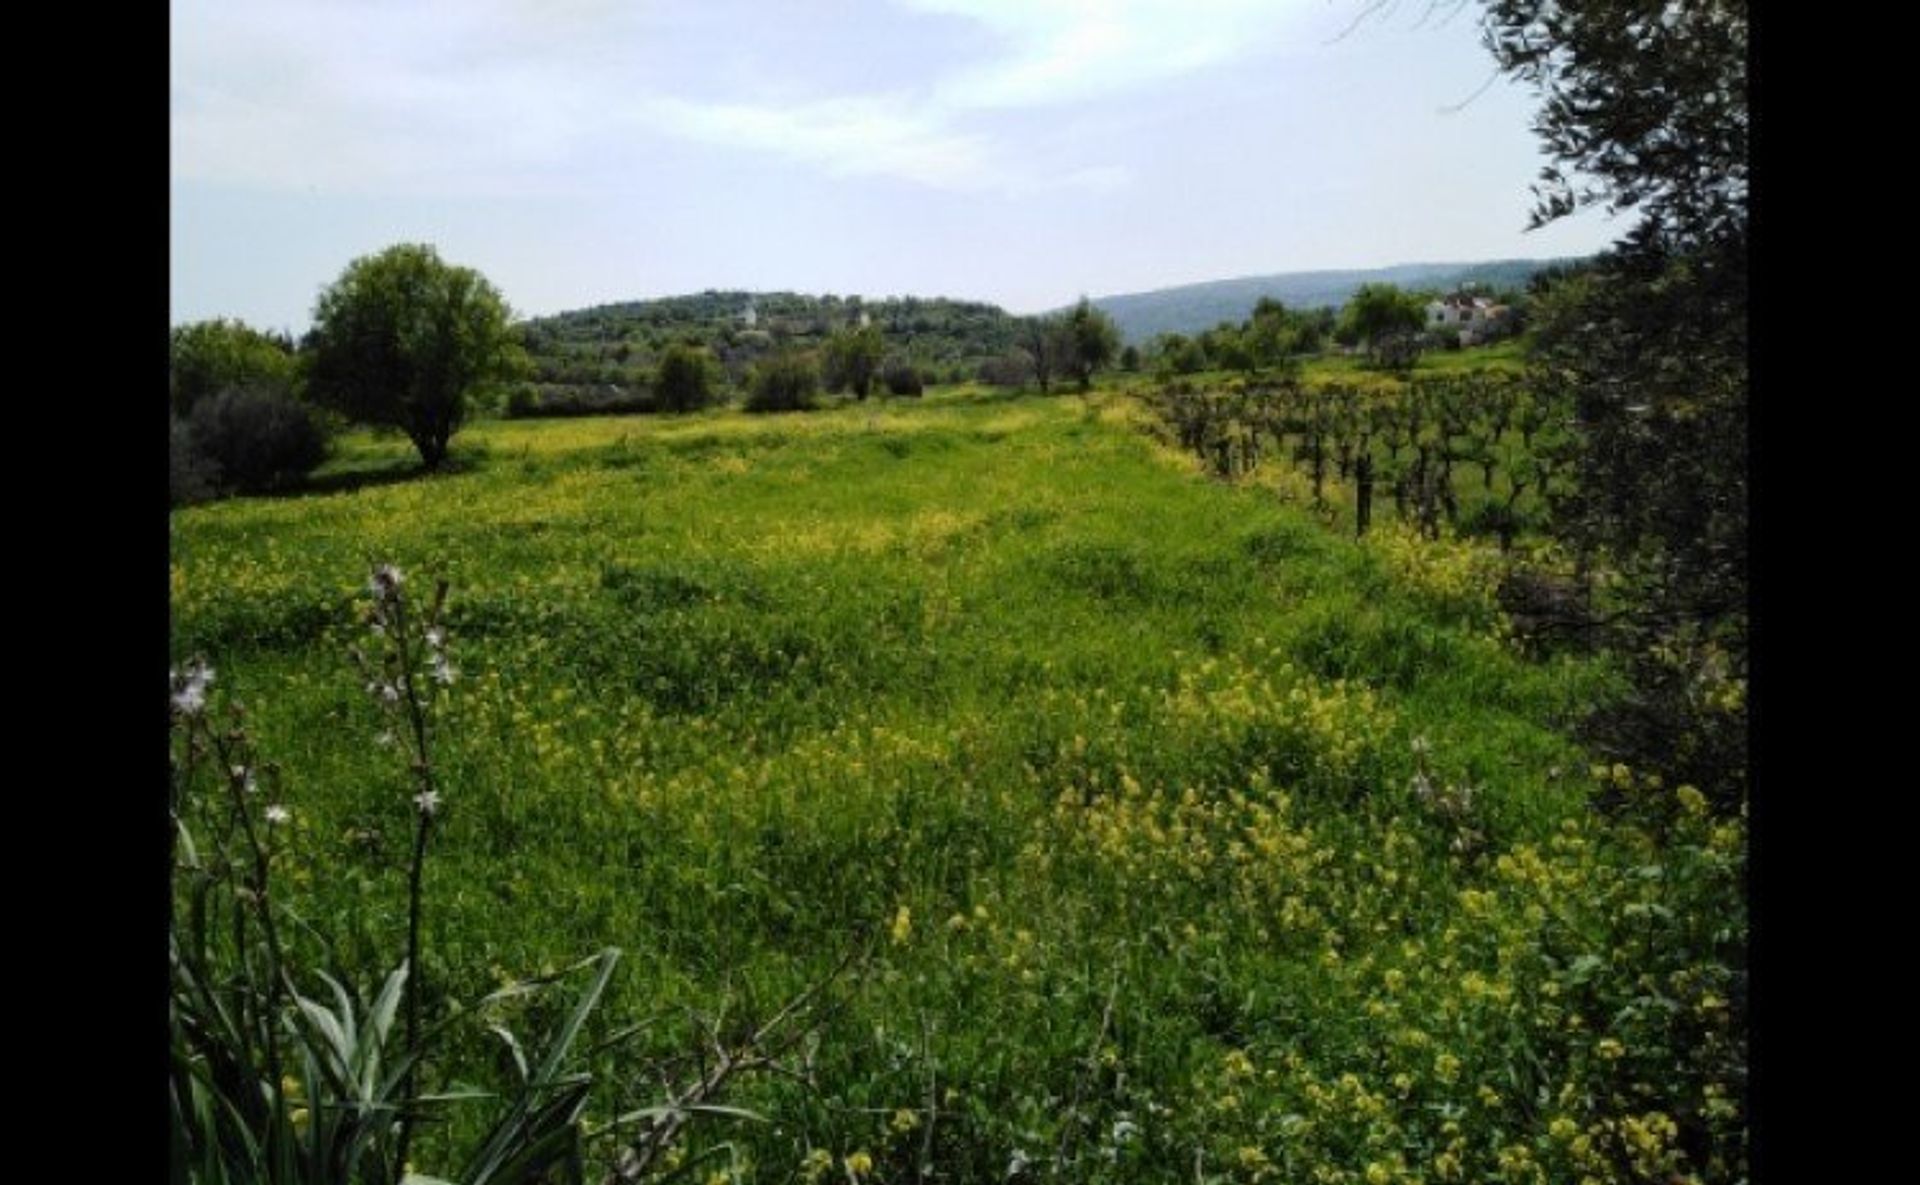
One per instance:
[(273, 1081), (287, 1075)]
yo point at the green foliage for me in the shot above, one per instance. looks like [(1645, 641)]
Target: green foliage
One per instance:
[(1387, 321), (784, 382), (1645, 103), (685, 379), (902, 378), (255, 439), (851, 358), (1179, 354), (208, 357), (1051, 347), (405, 340), (192, 476), (1092, 342), (1191, 308), (522, 400), (1116, 767), (614, 344), (1011, 369), (1649, 346)]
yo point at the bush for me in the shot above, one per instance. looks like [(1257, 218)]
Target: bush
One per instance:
[(192, 476), (901, 378), (784, 382), (685, 381), (259, 440), (1396, 351), (591, 399), (522, 401), (207, 357), (1011, 369)]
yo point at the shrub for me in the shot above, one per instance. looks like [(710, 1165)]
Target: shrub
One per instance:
[(260, 441), (522, 401), (685, 380), (784, 382), (1396, 351), (207, 357), (192, 476), (592, 399), (1011, 369), (901, 378)]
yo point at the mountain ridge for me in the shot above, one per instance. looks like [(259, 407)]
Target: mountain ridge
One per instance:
[(1190, 308)]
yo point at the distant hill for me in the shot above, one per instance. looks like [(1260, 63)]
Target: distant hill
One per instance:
[(602, 358), (615, 345), (1191, 308)]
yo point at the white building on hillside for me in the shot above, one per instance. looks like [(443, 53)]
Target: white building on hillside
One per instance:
[(1475, 317)]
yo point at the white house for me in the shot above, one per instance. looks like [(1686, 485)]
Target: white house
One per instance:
[(747, 316), (1473, 316)]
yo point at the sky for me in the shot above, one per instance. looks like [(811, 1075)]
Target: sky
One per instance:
[(1023, 152)]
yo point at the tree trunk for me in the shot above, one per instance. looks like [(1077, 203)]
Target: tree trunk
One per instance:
[(1363, 492)]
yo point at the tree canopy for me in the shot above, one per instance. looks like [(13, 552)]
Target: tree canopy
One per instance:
[(1646, 100), (685, 378), (853, 356), (1379, 314), (1092, 341), (406, 340), (208, 357)]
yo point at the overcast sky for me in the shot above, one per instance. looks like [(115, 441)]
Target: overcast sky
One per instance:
[(1023, 152)]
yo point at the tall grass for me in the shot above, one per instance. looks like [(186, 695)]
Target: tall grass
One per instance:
[(1187, 832)]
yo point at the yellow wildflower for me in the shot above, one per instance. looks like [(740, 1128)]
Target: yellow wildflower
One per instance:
[(815, 1165), (902, 925)]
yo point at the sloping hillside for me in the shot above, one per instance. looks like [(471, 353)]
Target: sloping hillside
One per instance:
[(1191, 308)]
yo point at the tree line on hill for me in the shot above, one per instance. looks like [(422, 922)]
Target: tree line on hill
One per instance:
[(407, 341)]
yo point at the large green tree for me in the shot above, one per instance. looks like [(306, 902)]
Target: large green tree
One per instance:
[(407, 340), (1643, 108), (1643, 105)]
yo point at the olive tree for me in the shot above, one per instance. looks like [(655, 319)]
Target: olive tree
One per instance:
[(406, 340)]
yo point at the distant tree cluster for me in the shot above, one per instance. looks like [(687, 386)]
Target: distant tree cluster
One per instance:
[(1271, 340), (621, 345), (240, 422), (1075, 345)]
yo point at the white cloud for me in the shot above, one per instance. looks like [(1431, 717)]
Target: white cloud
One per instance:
[(1078, 49), (870, 136), (349, 95), (866, 135)]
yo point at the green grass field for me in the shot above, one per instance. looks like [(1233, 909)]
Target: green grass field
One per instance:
[(1112, 765)]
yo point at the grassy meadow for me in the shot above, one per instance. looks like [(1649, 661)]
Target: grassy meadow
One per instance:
[(1184, 838)]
